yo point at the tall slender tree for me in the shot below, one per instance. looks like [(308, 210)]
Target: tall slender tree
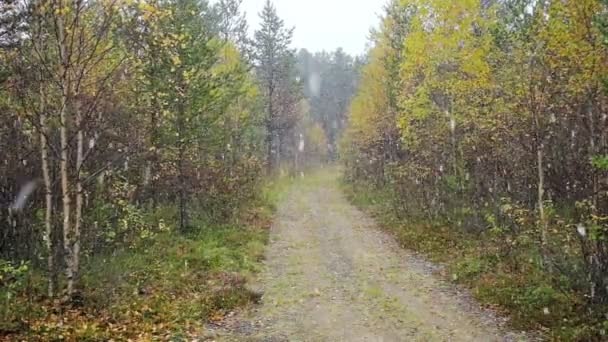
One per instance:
[(274, 67)]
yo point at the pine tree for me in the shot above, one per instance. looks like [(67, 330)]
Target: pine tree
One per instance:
[(274, 67)]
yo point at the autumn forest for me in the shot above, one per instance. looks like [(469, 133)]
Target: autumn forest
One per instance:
[(156, 157)]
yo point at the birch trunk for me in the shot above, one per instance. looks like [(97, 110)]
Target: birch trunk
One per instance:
[(64, 162), (48, 217), (541, 198), (593, 153), (79, 196), (65, 190)]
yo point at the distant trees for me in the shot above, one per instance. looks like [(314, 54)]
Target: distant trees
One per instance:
[(275, 69), (233, 26), (466, 109), (305, 96), (329, 82)]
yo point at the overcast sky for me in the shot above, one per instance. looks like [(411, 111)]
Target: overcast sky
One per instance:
[(324, 24)]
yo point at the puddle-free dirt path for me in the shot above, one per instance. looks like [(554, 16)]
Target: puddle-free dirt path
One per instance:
[(331, 275)]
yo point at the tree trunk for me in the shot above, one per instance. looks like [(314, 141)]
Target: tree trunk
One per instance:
[(79, 195), (269, 164), (535, 105), (154, 142), (64, 161), (454, 143), (48, 217), (65, 190), (183, 211), (601, 177), (279, 151), (296, 155), (269, 130), (541, 205), (593, 153)]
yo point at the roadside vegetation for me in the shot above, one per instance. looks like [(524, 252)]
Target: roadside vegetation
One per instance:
[(501, 277), (164, 286), (478, 136)]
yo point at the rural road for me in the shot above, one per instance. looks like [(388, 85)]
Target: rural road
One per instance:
[(331, 275)]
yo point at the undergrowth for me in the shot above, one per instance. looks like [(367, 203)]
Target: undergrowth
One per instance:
[(164, 287), (515, 284)]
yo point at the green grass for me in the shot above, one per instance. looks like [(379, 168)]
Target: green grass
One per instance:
[(275, 191), (516, 284), (165, 289)]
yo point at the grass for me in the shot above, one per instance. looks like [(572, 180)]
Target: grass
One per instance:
[(515, 285), (165, 288)]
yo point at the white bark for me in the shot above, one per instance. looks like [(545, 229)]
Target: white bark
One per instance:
[(79, 195), (541, 197), (48, 217), (64, 161)]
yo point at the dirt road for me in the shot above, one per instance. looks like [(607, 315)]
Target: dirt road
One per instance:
[(331, 275)]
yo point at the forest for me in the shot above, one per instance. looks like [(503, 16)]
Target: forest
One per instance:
[(480, 127), (152, 152)]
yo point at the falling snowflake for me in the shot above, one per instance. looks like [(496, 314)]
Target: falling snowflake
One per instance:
[(582, 231)]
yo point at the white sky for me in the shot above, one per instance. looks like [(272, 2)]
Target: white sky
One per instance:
[(324, 24)]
